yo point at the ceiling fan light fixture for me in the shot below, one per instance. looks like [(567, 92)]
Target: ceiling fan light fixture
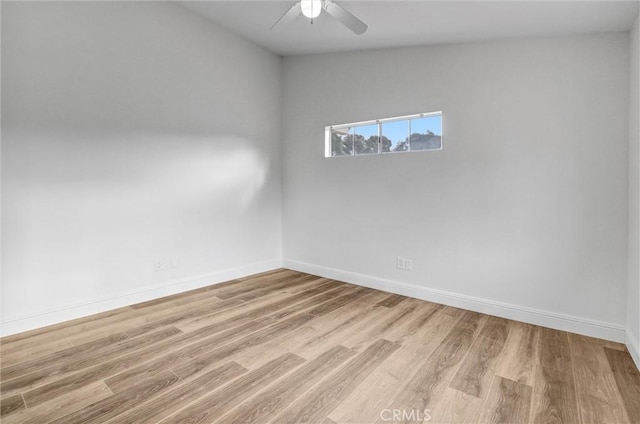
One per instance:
[(311, 8)]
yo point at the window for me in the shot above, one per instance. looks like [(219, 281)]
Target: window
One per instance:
[(410, 133)]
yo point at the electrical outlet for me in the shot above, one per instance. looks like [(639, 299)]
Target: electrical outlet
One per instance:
[(162, 263), (404, 263), (408, 265), (158, 263)]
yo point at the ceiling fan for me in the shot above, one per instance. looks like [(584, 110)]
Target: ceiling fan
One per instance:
[(312, 9)]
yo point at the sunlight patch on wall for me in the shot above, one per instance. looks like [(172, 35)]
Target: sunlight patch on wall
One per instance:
[(103, 202)]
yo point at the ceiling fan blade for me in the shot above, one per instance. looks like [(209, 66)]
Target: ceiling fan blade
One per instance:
[(350, 21), (289, 15)]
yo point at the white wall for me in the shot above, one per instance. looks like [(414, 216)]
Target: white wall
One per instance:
[(524, 212), (131, 130), (633, 296)]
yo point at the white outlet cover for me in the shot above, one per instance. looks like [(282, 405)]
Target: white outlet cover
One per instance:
[(158, 264)]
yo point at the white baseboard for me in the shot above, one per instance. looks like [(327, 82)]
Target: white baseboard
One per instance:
[(69, 312), (584, 326), (633, 345)]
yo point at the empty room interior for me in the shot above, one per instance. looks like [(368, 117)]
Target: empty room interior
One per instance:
[(320, 212)]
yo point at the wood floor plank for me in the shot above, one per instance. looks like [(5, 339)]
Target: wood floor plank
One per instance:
[(97, 372), (517, 361), (107, 408), (293, 287), (589, 349), (340, 301), (307, 285), (176, 398), (313, 298), (171, 300), (508, 402), (267, 403), (194, 324), (256, 356), (476, 373), (415, 321), (220, 343), (144, 317), (241, 315), (187, 367), (208, 408), (180, 354), (320, 293), (628, 381), (278, 271), (260, 288), (332, 315), (34, 349), (183, 314), (554, 397), (64, 405), (49, 373), (387, 322), (434, 373), (316, 405), (495, 328), (455, 407), (11, 404), (470, 320), (313, 283), (94, 331), (392, 300), (264, 285), (337, 327), (599, 400), (381, 387), (60, 357), (554, 351), (125, 371)]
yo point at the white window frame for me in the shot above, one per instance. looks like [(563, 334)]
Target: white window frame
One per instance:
[(328, 130)]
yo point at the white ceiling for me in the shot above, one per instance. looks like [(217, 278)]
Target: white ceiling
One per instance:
[(410, 23)]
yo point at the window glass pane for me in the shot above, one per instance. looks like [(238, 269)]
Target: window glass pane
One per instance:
[(366, 139), (426, 133), (395, 136), (342, 141), (419, 132)]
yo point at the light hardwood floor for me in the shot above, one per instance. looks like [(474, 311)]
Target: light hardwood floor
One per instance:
[(285, 347)]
